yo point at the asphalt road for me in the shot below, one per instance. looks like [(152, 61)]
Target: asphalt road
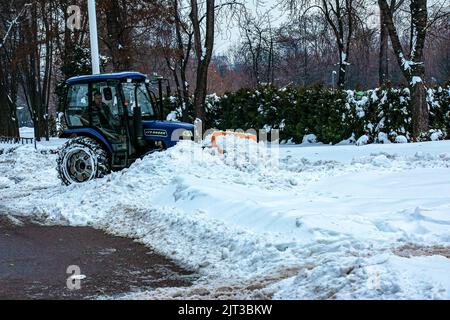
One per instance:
[(34, 262)]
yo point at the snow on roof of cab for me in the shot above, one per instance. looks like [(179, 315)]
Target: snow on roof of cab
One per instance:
[(106, 76)]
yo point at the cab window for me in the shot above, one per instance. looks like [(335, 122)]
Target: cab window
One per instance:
[(142, 97), (110, 97), (78, 100)]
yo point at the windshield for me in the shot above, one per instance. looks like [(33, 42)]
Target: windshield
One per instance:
[(142, 97)]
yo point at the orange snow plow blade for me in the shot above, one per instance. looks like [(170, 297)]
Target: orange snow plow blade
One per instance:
[(216, 134)]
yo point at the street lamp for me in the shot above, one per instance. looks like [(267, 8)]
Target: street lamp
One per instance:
[(93, 36), (333, 78)]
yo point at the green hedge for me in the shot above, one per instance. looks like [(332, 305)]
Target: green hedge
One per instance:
[(331, 115)]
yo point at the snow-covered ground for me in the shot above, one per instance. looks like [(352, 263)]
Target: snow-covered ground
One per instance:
[(303, 222)]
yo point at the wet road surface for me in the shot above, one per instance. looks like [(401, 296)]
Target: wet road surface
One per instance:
[(34, 261)]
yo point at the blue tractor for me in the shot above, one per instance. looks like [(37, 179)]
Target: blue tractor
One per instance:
[(112, 120)]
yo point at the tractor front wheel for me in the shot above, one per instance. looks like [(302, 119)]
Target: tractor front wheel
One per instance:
[(82, 159)]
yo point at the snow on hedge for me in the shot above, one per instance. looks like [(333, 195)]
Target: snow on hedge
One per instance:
[(331, 115)]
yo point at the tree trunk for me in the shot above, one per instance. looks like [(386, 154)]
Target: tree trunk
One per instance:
[(185, 94), (9, 73), (9, 125), (343, 63), (383, 71), (183, 61), (118, 39), (340, 20), (420, 116), (12, 99), (418, 94), (203, 53), (6, 121), (200, 91), (413, 67), (341, 75)]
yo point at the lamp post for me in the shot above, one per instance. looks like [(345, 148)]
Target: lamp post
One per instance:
[(333, 78), (93, 37)]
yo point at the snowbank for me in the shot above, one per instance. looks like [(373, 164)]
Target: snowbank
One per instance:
[(318, 222)]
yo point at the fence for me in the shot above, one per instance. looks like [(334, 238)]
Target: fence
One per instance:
[(14, 140)]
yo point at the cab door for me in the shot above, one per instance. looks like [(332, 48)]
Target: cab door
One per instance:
[(116, 129)]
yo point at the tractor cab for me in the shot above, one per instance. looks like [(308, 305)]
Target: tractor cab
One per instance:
[(113, 116)]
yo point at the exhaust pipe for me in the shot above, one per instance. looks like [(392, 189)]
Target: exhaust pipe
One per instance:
[(137, 124), (138, 128)]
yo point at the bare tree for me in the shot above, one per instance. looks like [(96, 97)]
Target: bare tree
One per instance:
[(383, 71), (303, 44), (203, 45), (203, 18), (118, 37), (257, 46), (38, 34), (178, 57), (342, 17), (10, 18), (412, 64)]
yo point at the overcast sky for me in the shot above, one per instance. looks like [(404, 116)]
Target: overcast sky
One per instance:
[(228, 35)]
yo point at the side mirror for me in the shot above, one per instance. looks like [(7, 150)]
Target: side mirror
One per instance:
[(107, 94)]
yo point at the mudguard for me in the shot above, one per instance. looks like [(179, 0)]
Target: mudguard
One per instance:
[(88, 132)]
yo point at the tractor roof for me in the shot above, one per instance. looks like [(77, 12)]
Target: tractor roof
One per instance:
[(107, 76)]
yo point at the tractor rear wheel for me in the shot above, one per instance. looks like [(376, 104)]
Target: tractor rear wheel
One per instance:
[(82, 159)]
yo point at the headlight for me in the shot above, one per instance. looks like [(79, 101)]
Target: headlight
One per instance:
[(187, 134)]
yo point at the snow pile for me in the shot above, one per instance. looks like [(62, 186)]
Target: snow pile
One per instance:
[(172, 116), (247, 154), (297, 222), (436, 135), (5, 183), (349, 141), (401, 139), (26, 170), (415, 80), (309, 139), (395, 277), (364, 139), (383, 138)]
